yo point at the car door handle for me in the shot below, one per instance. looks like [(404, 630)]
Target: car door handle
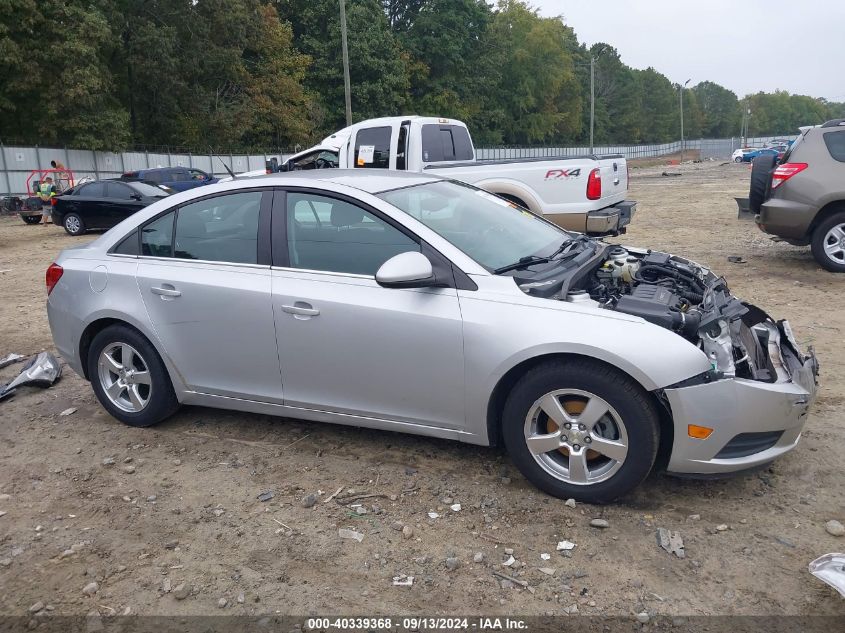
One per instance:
[(166, 290), (304, 309)]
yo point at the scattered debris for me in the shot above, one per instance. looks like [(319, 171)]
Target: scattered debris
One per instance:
[(455, 507), (830, 569), (42, 371), (221, 604), (90, 589), (266, 495), (38, 606), (407, 532), (569, 503), (565, 546), (549, 571), (333, 495), (642, 617), (490, 537), (67, 412), (599, 523), (403, 581), (545, 556), (433, 515), (737, 259), (509, 562), (721, 527), (452, 563), (9, 359), (128, 469), (182, 591), (671, 173), (350, 534), (671, 542), (308, 501), (516, 581), (241, 598), (478, 558), (834, 528)]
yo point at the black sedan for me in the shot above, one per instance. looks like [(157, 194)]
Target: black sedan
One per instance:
[(102, 204)]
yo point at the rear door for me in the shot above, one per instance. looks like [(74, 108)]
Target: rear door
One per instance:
[(92, 205), (204, 276), (122, 201)]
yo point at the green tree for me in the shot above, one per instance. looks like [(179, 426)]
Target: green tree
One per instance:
[(720, 109), (659, 114)]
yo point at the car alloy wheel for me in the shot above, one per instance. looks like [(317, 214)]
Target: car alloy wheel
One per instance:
[(576, 437), (73, 224), (125, 377), (834, 244)]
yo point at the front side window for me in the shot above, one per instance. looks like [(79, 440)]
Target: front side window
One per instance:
[(492, 231), (196, 174), (372, 147), (220, 229), (337, 236)]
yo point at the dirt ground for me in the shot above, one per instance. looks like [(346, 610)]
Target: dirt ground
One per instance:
[(179, 504)]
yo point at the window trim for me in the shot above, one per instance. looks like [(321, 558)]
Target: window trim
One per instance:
[(263, 249)]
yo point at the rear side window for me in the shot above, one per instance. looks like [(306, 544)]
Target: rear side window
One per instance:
[(119, 191), (835, 142), (157, 237), (220, 229), (372, 148), (93, 190), (442, 143)]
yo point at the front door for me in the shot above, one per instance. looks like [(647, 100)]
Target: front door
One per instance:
[(204, 276), (347, 344)]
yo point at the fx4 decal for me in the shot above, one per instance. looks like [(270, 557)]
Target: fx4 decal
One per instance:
[(557, 174)]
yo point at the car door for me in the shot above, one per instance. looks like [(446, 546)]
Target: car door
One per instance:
[(347, 344), (121, 202), (204, 275), (91, 205)]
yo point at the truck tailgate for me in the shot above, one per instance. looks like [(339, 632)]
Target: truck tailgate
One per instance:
[(614, 180)]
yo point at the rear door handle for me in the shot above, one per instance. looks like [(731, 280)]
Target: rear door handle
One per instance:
[(304, 309), (166, 290)]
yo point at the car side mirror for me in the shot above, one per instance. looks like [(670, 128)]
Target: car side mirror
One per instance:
[(136, 196), (406, 270)]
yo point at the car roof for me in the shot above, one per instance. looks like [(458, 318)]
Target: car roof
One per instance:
[(367, 180)]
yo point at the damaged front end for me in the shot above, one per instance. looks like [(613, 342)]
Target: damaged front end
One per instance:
[(750, 407)]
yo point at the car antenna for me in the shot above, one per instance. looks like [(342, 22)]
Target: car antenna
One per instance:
[(231, 173)]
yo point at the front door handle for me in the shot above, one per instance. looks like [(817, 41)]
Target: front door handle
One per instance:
[(301, 309), (166, 290)]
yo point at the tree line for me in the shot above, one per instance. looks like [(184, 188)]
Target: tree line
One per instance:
[(262, 74)]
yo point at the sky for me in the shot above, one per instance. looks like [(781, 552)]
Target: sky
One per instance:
[(745, 45)]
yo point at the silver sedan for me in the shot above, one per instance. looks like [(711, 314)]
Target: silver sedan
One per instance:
[(411, 303)]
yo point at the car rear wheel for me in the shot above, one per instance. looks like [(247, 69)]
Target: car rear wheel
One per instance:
[(581, 429), (761, 178), (74, 224), (828, 243), (129, 378)]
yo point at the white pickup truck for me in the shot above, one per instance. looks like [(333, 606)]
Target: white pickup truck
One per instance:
[(579, 193)]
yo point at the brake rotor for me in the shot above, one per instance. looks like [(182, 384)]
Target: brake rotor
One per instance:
[(572, 407)]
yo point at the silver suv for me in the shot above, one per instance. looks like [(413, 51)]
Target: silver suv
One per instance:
[(802, 199)]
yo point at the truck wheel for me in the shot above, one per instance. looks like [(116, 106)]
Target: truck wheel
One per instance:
[(31, 219), (828, 243), (761, 180), (579, 429), (73, 224)]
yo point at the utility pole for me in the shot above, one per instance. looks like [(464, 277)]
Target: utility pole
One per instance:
[(346, 86), (681, 92), (593, 59)]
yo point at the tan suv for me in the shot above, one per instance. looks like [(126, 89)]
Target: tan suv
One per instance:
[(801, 198)]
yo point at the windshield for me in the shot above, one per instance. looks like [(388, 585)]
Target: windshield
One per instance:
[(148, 190), (491, 230)]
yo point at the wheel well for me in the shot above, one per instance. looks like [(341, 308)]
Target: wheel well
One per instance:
[(500, 393), (824, 213), (513, 199), (94, 328)]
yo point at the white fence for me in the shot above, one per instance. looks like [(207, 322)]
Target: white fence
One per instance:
[(16, 163)]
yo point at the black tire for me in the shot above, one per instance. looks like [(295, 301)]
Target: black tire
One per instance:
[(627, 398), (162, 402), (31, 219), (738, 159), (761, 181), (833, 263), (74, 224)]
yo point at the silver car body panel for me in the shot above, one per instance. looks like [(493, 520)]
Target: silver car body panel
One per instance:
[(422, 361)]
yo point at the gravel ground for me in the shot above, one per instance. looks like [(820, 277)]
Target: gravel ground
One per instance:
[(167, 520)]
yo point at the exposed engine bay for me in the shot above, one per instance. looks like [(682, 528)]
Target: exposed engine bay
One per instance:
[(739, 339)]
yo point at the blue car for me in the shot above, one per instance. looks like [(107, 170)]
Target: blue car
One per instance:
[(747, 157), (176, 178)]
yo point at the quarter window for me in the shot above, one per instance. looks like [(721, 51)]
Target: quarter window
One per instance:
[(336, 236), (157, 237), (835, 142), (220, 229), (372, 148)]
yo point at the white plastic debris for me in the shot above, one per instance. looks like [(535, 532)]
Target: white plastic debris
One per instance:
[(350, 534), (456, 507), (403, 581), (510, 561), (433, 515), (545, 556), (565, 546), (67, 412), (830, 569)]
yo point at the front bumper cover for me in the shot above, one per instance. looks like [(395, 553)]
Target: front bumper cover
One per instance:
[(734, 406)]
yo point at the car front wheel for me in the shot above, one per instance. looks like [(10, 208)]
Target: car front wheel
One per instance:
[(129, 378), (581, 429), (828, 243)]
